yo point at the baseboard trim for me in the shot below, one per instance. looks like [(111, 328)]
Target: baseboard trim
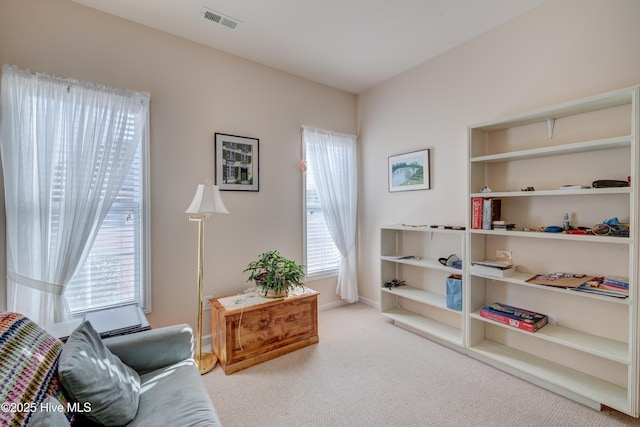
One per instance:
[(339, 303), (330, 305), (369, 302)]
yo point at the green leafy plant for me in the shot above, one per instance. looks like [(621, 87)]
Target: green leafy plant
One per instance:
[(273, 271)]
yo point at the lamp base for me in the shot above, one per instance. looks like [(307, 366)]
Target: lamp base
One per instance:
[(206, 363)]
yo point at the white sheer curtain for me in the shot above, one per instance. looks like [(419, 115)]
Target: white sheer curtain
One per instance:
[(66, 148), (333, 159)]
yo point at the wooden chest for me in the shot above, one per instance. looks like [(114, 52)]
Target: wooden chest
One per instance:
[(247, 329)]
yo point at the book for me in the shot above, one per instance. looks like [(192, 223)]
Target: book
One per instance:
[(616, 282), (573, 187), (595, 289), (503, 225), (476, 213), (490, 212), (561, 280), (613, 287), (493, 271), (608, 287), (513, 316), (401, 256), (489, 263)]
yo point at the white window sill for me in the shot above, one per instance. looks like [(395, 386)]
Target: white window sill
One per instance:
[(321, 276)]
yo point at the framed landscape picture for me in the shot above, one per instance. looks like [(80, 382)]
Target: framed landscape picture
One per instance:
[(409, 171), (237, 160)]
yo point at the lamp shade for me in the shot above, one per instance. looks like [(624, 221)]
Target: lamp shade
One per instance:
[(207, 201)]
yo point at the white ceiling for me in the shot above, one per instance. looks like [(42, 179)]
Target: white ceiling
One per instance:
[(351, 45)]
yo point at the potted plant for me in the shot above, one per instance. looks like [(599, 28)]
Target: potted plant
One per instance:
[(275, 275)]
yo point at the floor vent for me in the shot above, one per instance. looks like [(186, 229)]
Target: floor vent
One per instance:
[(219, 18)]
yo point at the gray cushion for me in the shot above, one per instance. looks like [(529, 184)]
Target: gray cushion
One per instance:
[(90, 373), (175, 396), (50, 413)]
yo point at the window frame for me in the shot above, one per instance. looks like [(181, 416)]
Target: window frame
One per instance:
[(145, 260)]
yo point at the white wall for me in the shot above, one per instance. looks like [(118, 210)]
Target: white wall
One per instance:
[(560, 51), (563, 50), (195, 92)]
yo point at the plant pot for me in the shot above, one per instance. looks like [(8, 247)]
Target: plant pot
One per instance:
[(270, 293)]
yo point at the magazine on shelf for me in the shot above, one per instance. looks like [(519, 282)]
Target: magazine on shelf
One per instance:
[(513, 316), (401, 256), (561, 280), (496, 264), (610, 287), (493, 268)]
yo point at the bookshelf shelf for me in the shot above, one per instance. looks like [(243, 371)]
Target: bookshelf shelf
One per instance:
[(556, 236), (520, 279), (578, 147), (424, 263), (424, 325), (557, 192), (601, 347), (552, 375), (590, 349), (586, 105), (419, 295)]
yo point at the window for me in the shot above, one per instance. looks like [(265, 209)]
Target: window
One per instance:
[(116, 270), (75, 157), (321, 255), (331, 202)]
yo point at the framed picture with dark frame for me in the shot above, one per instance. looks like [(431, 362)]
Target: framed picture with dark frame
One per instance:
[(409, 171), (237, 160)]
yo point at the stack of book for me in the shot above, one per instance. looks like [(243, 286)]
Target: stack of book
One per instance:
[(611, 287), (503, 225), (493, 268), (513, 316), (484, 211)]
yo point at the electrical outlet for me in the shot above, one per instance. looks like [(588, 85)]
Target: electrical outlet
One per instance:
[(206, 303)]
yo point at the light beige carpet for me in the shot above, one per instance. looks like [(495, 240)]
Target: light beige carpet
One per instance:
[(367, 372)]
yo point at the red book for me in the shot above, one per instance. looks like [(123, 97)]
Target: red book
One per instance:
[(476, 212)]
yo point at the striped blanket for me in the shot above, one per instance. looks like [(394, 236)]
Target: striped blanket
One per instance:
[(28, 368)]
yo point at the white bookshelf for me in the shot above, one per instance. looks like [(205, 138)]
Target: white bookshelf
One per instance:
[(589, 351), (421, 304)]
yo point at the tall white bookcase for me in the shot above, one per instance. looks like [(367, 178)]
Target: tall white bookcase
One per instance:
[(421, 304), (590, 350)]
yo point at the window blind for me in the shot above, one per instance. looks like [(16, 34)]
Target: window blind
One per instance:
[(113, 273), (322, 256)]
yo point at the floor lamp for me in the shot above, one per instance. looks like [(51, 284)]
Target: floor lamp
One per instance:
[(207, 201)]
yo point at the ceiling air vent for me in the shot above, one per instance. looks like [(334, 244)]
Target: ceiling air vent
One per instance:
[(219, 18)]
